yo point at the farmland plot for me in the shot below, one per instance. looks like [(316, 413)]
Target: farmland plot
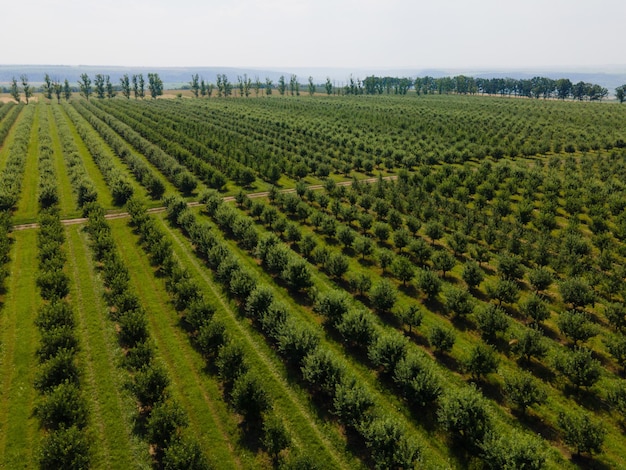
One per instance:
[(356, 325)]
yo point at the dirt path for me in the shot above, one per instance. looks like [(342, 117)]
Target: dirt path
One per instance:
[(156, 210)]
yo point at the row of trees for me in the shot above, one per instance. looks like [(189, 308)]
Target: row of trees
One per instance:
[(577, 367), (298, 343), (412, 376), (103, 87), (164, 418), (244, 389), (537, 87), (62, 409), (11, 176)]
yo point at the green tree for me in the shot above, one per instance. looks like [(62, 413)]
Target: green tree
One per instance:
[(523, 390), (472, 274), (403, 269), (99, 86), (491, 320), (441, 339), (275, 436), (535, 308), (269, 85), (383, 295), (28, 90), (67, 91), (250, 397), (428, 282), (184, 453), (481, 361), (84, 84), (389, 446), (418, 381), (328, 86), (577, 292), (464, 413), (620, 93), (194, 84), (616, 345), (579, 367), (135, 80), (155, 85), (434, 231), (125, 85), (412, 316), (387, 350), (337, 265), (357, 327), (582, 433), (351, 402), (67, 448), (503, 290), (58, 90), (109, 87), (577, 326), (47, 88), (311, 86), (519, 450), (282, 86), (62, 407), (164, 425), (150, 385), (530, 343), (322, 371), (458, 301), (15, 91)]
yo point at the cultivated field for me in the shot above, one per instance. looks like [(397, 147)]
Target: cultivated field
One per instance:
[(313, 282)]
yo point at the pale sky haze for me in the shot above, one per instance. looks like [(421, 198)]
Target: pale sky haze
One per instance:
[(323, 33)]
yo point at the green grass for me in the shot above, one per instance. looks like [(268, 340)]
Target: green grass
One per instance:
[(104, 195), (210, 421), (67, 200), (111, 405), (317, 437), (8, 141), (19, 430), (28, 205), (117, 163)]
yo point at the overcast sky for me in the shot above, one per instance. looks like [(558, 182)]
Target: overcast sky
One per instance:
[(321, 33)]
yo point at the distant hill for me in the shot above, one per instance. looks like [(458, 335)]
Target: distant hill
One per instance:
[(175, 77)]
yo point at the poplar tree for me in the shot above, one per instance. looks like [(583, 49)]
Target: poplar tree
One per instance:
[(99, 86), (195, 84), (329, 86), (135, 87), (15, 91), (281, 85), (58, 90), (47, 87), (311, 86), (155, 85), (109, 87), (67, 91), (125, 84), (84, 85), (28, 90)]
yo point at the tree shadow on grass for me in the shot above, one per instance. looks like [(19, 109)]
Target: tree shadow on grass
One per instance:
[(251, 434), (450, 362), (588, 462), (536, 424), (585, 397), (538, 369)]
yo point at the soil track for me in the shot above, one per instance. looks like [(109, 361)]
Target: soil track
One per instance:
[(155, 210)]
